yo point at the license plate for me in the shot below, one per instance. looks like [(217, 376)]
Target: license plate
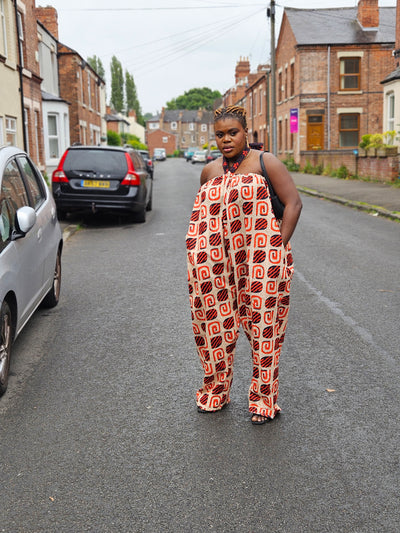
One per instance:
[(95, 183)]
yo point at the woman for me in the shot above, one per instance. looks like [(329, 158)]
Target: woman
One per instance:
[(240, 266)]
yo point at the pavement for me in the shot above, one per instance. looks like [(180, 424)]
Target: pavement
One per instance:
[(380, 199)]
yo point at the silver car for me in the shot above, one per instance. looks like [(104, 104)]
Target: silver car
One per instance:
[(30, 249), (199, 156)]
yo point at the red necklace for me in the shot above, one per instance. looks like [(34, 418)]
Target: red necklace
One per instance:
[(231, 165)]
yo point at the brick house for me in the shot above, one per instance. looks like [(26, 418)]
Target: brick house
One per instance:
[(11, 122), (116, 122), (31, 81), (329, 68), (251, 90), (189, 127), (159, 138), (55, 109)]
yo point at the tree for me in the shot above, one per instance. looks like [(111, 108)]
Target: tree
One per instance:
[(117, 85), (132, 101), (97, 65), (195, 99)]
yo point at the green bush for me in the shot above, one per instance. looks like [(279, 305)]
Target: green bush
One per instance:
[(308, 168), (291, 165), (113, 138), (342, 172), (318, 169)]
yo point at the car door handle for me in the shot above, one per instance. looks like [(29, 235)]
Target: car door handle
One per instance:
[(39, 234)]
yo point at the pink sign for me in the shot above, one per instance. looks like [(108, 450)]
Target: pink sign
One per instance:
[(294, 120)]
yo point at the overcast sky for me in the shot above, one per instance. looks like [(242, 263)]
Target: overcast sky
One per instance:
[(171, 46)]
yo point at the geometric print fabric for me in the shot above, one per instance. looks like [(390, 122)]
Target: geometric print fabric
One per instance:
[(239, 273)]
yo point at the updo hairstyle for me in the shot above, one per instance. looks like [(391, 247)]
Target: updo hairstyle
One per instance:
[(233, 111)]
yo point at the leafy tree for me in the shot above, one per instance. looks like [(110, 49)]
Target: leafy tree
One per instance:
[(195, 99), (97, 65), (132, 101), (117, 85)]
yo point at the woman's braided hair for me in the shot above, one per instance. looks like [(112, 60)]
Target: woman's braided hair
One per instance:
[(232, 111)]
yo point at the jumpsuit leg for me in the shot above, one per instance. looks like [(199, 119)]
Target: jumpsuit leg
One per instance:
[(212, 295), (263, 269)]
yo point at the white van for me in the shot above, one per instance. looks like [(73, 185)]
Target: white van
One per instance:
[(159, 154)]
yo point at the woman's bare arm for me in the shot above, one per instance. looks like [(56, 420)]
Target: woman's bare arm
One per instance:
[(285, 188)]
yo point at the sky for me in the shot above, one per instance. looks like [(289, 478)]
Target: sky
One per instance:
[(172, 46)]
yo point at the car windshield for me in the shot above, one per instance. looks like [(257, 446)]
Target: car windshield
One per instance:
[(108, 161)]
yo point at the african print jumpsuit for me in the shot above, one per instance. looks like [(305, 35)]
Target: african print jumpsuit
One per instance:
[(239, 273)]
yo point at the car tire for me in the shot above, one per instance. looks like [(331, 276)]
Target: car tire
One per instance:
[(52, 297), (6, 335), (140, 217), (149, 205)]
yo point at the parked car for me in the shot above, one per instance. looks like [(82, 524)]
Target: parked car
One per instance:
[(189, 153), (159, 154), (30, 249), (149, 162), (214, 154), (199, 156), (103, 178)]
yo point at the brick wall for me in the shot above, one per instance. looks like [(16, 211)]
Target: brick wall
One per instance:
[(156, 138), (379, 168)]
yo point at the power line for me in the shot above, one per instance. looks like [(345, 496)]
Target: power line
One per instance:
[(184, 8)]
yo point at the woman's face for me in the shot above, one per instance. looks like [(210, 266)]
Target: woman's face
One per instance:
[(230, 136)]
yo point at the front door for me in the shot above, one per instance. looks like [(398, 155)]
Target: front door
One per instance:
[(315, 132)]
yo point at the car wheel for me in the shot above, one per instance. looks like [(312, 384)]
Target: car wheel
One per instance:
[(5, 345), (149, 205), (140, 217), (52, 297)]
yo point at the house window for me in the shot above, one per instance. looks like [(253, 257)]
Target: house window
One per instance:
[(11, 131), (26, 127), (165, 140), (350, 74), (193, 139), (204, 127), (3, 29), (286, 81), (21, 37), (261, 101), (191, 126), (292, 79), (183, 140), (52, 125), (174, 125), (390, 111), (202, 139), (349, 130), (280, 87), (37, 135), (255, 103), (154, 125), (89, 91), (1, 132)]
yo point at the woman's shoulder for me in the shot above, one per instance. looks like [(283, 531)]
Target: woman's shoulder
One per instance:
[(211, 170)]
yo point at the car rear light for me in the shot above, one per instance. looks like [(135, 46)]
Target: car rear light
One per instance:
[(132, 178), (58, 175), (150, 163)]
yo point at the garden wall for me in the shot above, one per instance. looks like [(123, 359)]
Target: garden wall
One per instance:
[(378, 168)]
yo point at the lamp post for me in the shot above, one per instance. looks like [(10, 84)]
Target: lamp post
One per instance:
[(271, 15)]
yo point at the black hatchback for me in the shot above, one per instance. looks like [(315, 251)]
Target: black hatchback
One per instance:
[(102, 178)]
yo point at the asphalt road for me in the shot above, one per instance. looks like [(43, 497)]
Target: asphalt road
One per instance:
[(99, 430)]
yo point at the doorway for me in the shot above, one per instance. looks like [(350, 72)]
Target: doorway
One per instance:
[(315, 132)]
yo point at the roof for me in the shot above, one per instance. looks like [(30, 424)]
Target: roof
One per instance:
[(48, 97), (187, 115), (339, 26), (395, 75), (116, 118)]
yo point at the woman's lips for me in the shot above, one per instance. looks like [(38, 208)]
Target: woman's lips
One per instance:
[(227, 149)]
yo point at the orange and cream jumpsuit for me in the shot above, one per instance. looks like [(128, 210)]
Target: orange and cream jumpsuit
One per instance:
[(239, 273)]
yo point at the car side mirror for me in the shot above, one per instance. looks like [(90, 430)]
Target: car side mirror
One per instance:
[(25, 219)]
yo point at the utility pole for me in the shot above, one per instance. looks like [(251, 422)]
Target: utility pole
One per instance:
[(271, 15)]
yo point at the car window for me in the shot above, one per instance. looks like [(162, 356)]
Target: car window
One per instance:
[(137, 160), (13, 195), (98, 161), (32, 181)]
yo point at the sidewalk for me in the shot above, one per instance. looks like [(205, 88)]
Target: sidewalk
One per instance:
[(369, 196)]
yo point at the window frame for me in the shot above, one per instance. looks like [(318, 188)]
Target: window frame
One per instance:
[(349, 130), (343, 76), (3, 27)]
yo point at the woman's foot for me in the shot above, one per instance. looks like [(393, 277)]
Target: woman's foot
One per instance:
[(257, 420)]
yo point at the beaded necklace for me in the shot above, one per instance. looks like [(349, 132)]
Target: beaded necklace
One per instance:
[(231, 165)]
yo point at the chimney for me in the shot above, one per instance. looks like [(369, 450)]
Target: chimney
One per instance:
[(242, 70), (368, 14), (49, 18)]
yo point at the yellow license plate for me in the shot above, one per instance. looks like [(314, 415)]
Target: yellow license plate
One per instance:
[(96, 183)]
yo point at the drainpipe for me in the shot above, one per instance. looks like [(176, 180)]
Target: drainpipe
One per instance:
[(328, 92), (21, 87)]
